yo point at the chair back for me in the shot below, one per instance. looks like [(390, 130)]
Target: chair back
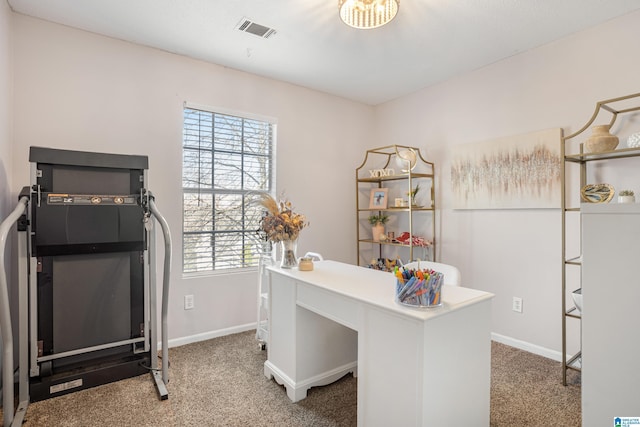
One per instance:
[(451, 274), (314, 255)]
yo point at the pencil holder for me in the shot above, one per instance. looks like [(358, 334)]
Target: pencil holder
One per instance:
[(420, 290)]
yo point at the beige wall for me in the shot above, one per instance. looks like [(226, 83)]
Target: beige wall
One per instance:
[(6, 101), (517, 252), (78, 90), (6, 122)]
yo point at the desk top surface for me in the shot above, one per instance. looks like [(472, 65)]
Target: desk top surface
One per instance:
[(378, 288)]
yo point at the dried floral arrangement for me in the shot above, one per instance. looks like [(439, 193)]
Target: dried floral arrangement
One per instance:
[(280, 222)]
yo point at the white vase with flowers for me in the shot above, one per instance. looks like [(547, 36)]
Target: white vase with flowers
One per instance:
[(280, 224)]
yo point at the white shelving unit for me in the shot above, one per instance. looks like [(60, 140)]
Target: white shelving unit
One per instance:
[(611, 295), (262, 328)]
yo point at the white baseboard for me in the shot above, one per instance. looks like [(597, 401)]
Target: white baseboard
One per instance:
[(526, 346), (177, 342)]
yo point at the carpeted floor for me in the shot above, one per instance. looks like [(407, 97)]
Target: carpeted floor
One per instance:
[(220, 382)]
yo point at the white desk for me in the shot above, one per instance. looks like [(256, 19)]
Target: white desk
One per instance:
[(415, 367)]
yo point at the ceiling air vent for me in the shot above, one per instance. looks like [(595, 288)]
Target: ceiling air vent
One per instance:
[(249, 26)]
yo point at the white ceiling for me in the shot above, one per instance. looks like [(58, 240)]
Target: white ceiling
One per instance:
[(429, 40)]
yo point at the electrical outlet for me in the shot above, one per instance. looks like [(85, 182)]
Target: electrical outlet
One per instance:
[(189, 302), (517, 304)]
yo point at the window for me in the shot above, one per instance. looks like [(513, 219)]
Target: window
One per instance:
[(226, 159)]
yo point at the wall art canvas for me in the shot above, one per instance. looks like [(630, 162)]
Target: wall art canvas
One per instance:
[(517, 172)]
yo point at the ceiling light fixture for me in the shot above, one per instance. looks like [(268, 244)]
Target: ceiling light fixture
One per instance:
[(366, 14)]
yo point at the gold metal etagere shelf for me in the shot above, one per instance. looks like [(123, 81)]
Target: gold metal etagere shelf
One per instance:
[(421, 172), (572, 153)]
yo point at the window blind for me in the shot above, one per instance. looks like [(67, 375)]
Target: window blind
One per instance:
[(226, 159)]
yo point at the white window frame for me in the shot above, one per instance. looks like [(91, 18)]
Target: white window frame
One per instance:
[(248, 236)]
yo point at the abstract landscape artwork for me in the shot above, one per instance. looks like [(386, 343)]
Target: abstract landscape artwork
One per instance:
[(516, 172)]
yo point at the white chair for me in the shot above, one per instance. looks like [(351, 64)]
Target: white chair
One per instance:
[(451, 274), (314, 255)]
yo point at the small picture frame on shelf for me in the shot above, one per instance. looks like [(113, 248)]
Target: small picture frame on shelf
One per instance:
[(378, 198)]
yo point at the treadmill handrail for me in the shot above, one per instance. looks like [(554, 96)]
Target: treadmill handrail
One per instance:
[(165, 288), (5, 315)]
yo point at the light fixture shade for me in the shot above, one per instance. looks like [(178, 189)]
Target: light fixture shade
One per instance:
[(365, 14)]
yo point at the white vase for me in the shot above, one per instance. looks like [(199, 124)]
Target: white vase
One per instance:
[(626, 199), (634, 140), (601, 140), (377, 231), (289, 258)]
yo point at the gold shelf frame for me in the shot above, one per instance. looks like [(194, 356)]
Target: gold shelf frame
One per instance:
[(389, 153), (630, 104)]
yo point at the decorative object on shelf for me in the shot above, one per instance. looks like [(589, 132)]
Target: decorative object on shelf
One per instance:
[(601, 140), (378, 198), (634, 140), (405, 238), (407, 160), (626, 196), (412, 194), (597, 193), (384, 264), (379, 173), (367, 14), (281, 224), (515, 172), (377, 226)]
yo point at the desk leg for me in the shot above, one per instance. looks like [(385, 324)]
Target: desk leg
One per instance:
[(305, 349), (294, 393), (388, 369), (433, 373)]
